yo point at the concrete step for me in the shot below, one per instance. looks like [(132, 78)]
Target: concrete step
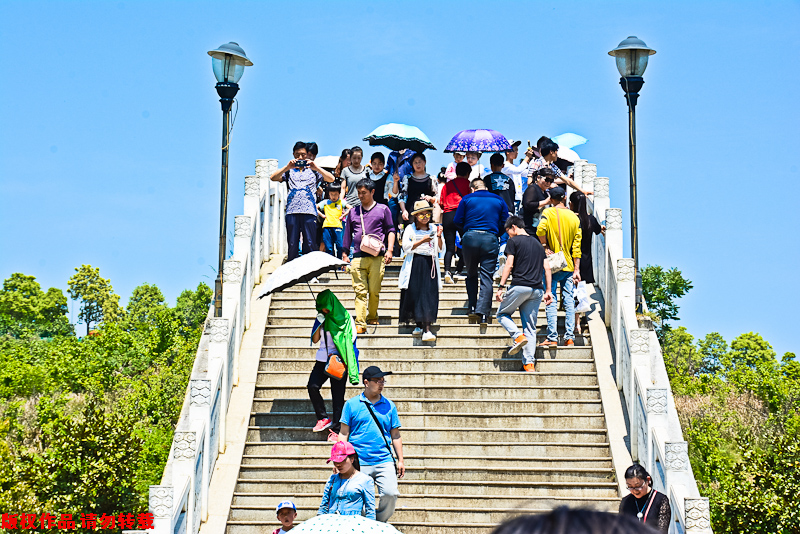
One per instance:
[(463, 406), (386, 308), (494, 462), (437, 434), (484, 421), (407, 502), (530, 392), (393, 352), (467, 472), (485, 513), (461, 329), (478, 379), (403, 340), (577, 489), (303, 319), (554, 449), (451, 365)]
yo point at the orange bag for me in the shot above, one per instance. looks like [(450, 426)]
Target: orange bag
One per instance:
[(335, 368)]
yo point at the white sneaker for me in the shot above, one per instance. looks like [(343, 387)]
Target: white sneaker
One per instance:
[(447, 278), (417, 332), (428, 336)]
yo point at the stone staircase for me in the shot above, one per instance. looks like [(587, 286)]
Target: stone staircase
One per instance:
[(482, 440)]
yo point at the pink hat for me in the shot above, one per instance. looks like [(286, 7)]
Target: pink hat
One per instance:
[(340, 451)]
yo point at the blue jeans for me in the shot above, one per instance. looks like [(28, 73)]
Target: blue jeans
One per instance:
[(480, 256), (332, 238), (565, 279), (527, 301)]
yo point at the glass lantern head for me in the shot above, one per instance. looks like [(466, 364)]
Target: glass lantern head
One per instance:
[(228, 62), (631, 56)]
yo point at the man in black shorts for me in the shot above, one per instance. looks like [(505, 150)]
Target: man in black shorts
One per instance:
[(525, 260)]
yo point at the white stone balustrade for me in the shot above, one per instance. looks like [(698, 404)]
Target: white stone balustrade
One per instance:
[(656, 437), (180, 502)]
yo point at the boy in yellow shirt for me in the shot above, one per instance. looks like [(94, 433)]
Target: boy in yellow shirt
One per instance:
[(334, 211)]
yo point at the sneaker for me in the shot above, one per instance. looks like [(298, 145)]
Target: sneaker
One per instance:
[(323, 424), (519, 342), (428, 336), (569, 343), (333, 437), (529, 367), (483, 319), (472, 313), (374, 322), (548, 344), (448, 279), (361, 330), (417, 332)]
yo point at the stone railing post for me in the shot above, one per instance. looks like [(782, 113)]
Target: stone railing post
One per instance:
[(243, 230), (626, 288), (219, 333), (264, 169), (600, 197), (200, 414), (697, 515), (588, 177), (187, 463), (577, 172), (161, 504)]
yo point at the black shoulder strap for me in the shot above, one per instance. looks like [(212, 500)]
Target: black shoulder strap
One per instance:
[(380, 429)]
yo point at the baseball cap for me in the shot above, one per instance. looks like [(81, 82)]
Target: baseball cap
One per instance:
[(460, 153), (514, 143), (285, 504), (340, 451), (373, 371), (557, 192)]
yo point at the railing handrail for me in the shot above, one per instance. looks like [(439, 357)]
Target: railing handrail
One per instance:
[(657, 441), (180, 503)]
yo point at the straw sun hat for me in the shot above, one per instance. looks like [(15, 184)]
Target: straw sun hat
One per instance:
[(420, 206)]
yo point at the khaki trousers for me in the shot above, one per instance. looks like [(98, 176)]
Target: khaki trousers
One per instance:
[(367, 273)]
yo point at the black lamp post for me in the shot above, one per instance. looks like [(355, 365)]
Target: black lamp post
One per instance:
[(631, 56), (228, 62)]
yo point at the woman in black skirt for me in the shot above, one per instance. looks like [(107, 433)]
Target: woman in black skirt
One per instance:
[(420, 279), (649, 506)]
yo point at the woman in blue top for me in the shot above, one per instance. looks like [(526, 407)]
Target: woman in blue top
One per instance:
[(348, 491), (303, 177)]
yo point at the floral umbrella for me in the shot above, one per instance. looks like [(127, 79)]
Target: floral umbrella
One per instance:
[(478, 141)]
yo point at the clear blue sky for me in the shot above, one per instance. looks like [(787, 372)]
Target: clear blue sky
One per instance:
[(109, 154)]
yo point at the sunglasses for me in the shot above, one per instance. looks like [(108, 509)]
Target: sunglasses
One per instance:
[(426, 215), (549, 180)]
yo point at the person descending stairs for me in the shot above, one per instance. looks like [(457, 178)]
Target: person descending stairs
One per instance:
[(483, 440)]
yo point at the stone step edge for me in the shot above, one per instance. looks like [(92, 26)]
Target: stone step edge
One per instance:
[(317, 443), (416, 399), (459, 373), (525, 509), (450, 429), (444, 457), (454, 414), (443, 496), (445, 468), (441, 525), (482, 483)]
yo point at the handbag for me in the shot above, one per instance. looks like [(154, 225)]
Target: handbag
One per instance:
[(380, 429), (558, 262), (370, 244), (335, 368)]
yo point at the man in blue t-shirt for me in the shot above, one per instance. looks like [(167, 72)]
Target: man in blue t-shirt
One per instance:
[(370, 438)]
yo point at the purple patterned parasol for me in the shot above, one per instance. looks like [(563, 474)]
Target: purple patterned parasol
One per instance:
[(478, 141)]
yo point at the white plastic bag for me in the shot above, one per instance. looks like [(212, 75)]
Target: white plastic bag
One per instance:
[(582, 297)]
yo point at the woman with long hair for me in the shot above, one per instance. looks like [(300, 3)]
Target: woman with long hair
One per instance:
[(649, 506), (420, 280), (348, 491), (344, 162), (590, 226)]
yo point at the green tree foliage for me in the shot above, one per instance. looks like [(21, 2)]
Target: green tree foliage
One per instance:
[(740, 411), (98, 300), (86, 424), (660, 289), (26, 310)]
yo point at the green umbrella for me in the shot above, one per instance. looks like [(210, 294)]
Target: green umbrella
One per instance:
[(399, 136)]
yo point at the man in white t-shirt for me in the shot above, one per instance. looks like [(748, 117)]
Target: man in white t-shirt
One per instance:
[(517, 173)]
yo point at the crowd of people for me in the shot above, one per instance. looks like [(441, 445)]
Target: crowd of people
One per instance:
[(511, 222)]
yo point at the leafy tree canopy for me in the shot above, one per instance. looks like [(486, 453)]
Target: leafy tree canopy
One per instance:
[(660, 289), (26, 310), (98, 300)]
